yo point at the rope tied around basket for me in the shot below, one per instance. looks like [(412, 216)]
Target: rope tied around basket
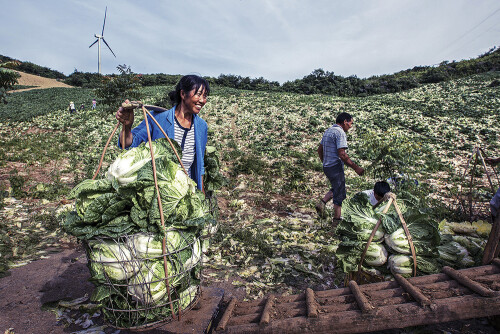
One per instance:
[(146, 113), (391, 198)]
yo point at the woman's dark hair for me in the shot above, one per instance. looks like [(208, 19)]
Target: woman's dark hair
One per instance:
[(381, 188), (187, 84), (343, 116)]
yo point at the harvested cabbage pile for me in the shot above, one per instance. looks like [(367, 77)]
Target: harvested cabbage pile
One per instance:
[(389, 249), (118, 218)]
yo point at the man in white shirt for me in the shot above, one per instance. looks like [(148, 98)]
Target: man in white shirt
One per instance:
[(378, 192)]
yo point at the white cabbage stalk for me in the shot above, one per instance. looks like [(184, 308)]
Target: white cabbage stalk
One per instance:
[(115, 259), (398, 241), (376, 255), (195, 256), (124, 168), (400, 264), (146, 247), (148, 286), (463, 251), (467, 261)]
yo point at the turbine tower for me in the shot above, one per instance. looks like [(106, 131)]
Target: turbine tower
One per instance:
[(98, 41)]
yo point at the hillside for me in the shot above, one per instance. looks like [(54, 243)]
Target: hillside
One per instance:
[(318, 82), (270, 239), (38, 82)]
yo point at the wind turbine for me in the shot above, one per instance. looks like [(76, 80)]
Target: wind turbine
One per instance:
[(98, 41)]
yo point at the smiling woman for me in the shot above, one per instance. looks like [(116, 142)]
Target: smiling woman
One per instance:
[(180, 123)]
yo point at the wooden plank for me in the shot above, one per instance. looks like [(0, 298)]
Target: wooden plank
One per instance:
[(227, 314), (389, 317), (281, 314), (301, 297), (312, 310), (417, 281), (466, 281), (266, 313), (361, 299), (412, 290)]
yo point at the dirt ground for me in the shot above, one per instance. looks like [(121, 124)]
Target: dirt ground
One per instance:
[(63, 275)]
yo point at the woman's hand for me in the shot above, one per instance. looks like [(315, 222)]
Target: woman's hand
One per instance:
[(125, 115)]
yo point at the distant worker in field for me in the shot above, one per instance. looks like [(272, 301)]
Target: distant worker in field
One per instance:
[(72, 107), (377, 193), (94, 104), (332, 152), (82, 107), (181, 123)]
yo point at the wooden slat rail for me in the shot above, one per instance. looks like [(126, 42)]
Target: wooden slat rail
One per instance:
[(414, 301), (466, 281), (361, 299), (266, 313), (412, 290), (227, 314), (393, 316), (312, 310)]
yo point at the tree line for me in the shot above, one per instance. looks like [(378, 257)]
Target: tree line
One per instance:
[(318, 82)]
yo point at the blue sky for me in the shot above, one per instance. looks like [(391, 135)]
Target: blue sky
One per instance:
[(278, 40)]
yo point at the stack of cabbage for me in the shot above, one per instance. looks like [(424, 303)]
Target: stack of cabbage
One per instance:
[(389, 249), (119, 219)]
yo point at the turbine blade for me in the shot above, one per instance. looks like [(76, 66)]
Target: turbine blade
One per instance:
[(108, 47), (94, 43), (104, 23)]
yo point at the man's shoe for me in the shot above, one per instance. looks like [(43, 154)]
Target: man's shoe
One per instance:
[(320, 209)]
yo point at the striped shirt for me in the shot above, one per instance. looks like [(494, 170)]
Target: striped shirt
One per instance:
[(185, 138), (333, 139)]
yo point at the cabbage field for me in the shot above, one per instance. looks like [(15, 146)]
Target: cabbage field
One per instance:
[(269, 238)]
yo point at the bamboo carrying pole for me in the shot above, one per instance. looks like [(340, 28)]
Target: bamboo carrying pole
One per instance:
[(162, 219), (104, 151), (391, 197), (392, 201), (408, 236)]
